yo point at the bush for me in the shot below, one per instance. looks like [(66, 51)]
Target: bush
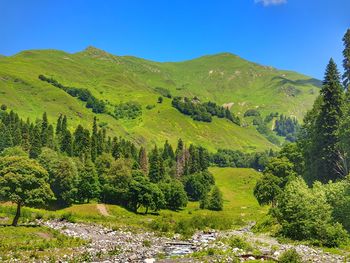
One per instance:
[(213, 201), (239, 242), (251, 112), (290, 256), (3, 107), (128, 110), (163, 91), (304, 214)]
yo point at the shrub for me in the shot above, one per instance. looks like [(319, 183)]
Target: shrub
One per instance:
[(304, 214), (3, 107), (163, 91), (239, 242), (290, 256), (251, 112)]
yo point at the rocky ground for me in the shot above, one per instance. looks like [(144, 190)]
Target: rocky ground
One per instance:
[(107, 245)]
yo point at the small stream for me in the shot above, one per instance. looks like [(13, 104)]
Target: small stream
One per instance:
[(190, 246)]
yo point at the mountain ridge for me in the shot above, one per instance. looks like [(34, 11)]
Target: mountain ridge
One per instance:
[(223, 78)]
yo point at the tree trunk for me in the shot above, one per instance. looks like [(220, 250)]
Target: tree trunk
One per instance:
[(18, 213)]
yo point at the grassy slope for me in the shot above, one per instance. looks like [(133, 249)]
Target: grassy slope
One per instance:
[(221, 78)]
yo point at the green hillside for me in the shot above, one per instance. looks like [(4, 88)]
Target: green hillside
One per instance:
[(222, 78)]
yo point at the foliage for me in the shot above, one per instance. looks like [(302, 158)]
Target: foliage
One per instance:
[(63, 175), (287, 127), (128, 110), (174, 194), (263, 129), (203, 111), (117, 180), (24, 182), (278, 172), (215, 200), (304, 213), (251, 112), (146, 194), (163, 91), (198, 185), (290, 256), (236, 158), (320, 138)]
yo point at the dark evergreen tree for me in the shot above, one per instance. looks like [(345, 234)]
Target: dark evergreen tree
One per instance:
[(193, 165), (35, 144), (5, 137), (59, 125), (94, 140), (81, 144), (25, 143), (67, 143), (44, 127), (116, 151), (50, 137), (64, 123), (322, 152), (168, 152), (204, 158), (346, 60), (156, 168)]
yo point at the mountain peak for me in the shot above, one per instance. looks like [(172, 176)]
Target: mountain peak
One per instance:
[(94, 51)]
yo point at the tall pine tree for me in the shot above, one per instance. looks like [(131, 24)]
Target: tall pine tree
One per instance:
[(346, 60), (322, 152)]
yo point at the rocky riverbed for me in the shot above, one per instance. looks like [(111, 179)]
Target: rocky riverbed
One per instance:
[(107, 245)]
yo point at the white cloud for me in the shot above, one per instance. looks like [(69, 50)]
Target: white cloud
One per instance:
[(271, 2)]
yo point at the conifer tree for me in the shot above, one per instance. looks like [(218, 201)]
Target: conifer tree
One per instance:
[(44, 127), (116, 151), (59, 125), (5, 137), (168, 152), (64, 123), (50, 137), (81, 144), (323, 152), (17, 134), (94, 140), (156, 167), (180, 147), (35, 144), (25, 143), (193, 164), (346, 60), (203, 158), (66, 143)]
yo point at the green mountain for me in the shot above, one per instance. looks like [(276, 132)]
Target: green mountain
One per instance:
[(222, 78)]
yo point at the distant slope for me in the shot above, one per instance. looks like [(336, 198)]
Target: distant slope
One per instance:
[(222, 78)]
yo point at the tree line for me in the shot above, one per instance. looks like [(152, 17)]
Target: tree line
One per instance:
[(97, 106), (43, 164), (130, 110)]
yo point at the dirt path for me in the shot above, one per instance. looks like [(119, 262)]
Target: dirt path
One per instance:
[(102, 209)]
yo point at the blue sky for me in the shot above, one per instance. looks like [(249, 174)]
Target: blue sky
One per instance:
[(299, 35)]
